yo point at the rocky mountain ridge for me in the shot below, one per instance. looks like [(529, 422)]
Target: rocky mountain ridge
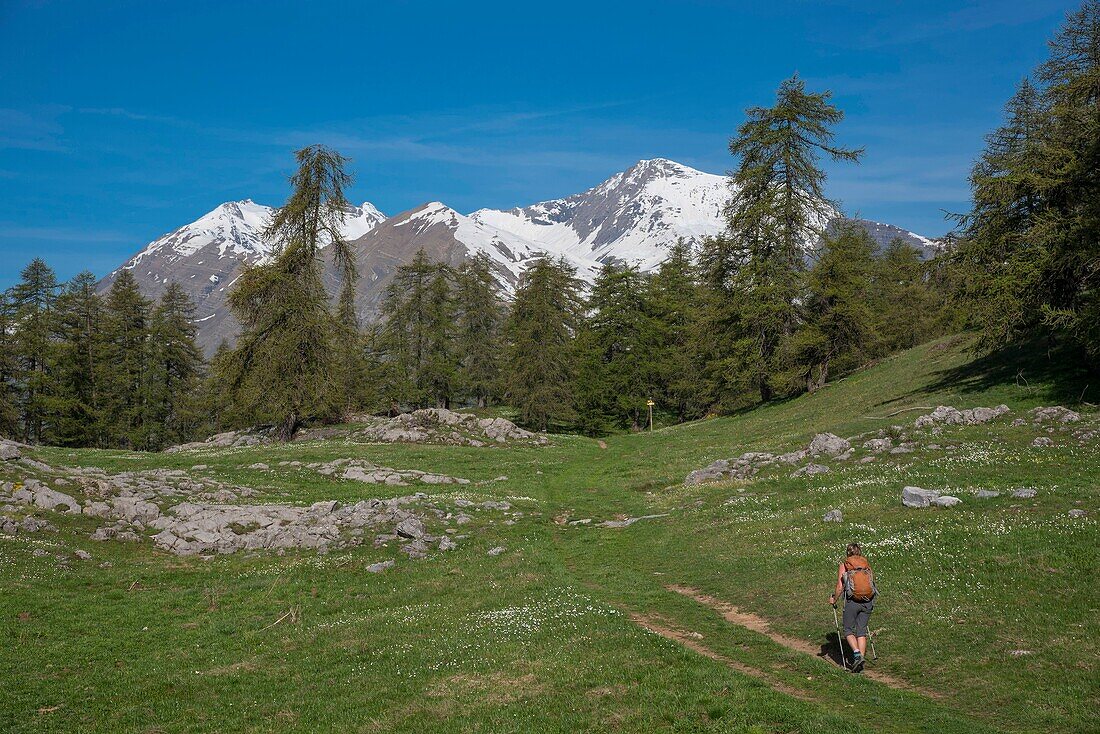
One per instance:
[(632, 217)]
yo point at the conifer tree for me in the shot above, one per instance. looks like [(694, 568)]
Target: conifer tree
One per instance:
[(440, 368), (1068, 232), (616, 352), (174, 371), (9, 416), (282, 369), (1028, 261), (404, 338), (480, 319), (540, 329), (778, 207), (125, 359), (675, 301), (996, 265), (839, 319), (80, 370), (33, 300), (908, 308)]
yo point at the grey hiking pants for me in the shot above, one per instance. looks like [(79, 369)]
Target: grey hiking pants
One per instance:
[(856, 614)]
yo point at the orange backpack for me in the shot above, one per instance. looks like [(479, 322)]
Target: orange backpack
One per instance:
[(859, 581)]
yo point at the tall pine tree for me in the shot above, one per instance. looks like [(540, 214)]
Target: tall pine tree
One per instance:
[(839, 322), (540, 329), (174, 371), (479, 323), (282, 370), (778, 208), (616, 352), (33, 300), (80, 368), (125, 361)]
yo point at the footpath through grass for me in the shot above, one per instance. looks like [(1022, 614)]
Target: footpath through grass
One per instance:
[(989, 608)]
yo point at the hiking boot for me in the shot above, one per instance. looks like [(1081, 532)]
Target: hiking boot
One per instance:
[(857, 664)]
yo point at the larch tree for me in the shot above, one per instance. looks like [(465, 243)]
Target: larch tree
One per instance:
[(282, 370), (777, 210), (616, 352), (540, 330), (174, 372), (125, 360), (840, 321), (479, 325), (404, 338), (79, 330), (33, 300)]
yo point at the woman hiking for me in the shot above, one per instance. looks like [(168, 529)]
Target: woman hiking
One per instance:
[(856, 581)]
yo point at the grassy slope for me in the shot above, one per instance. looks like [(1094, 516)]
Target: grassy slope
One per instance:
[(540, 638)]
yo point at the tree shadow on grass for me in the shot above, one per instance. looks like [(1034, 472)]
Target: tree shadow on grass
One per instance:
[(1041, 370)]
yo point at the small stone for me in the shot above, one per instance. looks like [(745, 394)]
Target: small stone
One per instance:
[(82, 555), (497, 551), (105, 564), (810, 470), (1043, 442), (379, 567), (259, 465), (1076, 513), (446, 544), (410, 527), (986, 494), (947, 501), (833, 516), (1025, 493)]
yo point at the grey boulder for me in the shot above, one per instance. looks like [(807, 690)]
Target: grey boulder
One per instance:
[(828, 444), (918, 497)]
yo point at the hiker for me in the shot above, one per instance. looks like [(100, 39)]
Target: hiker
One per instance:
[(855, 579)]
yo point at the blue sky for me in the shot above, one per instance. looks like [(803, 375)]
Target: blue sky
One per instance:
[(120, 121)]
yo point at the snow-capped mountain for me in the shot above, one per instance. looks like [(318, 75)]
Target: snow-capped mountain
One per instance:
[(632, 217), (206, 256)]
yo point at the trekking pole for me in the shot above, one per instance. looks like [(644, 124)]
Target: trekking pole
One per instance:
[(839, 639), (871, 639)]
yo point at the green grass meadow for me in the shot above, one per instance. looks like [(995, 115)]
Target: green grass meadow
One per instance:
[(989, 612)]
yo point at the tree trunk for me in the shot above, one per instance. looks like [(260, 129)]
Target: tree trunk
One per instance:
[(289, 427)]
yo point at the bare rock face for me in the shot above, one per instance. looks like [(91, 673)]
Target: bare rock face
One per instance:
[(9, 451), (188, 515), (228, 439)]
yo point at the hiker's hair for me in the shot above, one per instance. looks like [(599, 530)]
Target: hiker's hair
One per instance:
[(854, 549)]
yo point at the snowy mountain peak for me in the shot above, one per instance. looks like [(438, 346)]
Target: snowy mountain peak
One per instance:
[(631, 217)]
